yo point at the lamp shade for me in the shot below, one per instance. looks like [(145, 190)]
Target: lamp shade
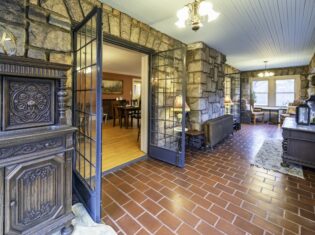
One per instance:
[(178, 104), (228, 101)]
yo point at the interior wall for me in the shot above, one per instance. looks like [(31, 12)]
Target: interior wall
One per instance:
[(205, 85), (300, 71), (127, 85), (311, 77)]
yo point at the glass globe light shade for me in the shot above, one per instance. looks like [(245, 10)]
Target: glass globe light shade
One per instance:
[(183, 14), (180, 24), (205, 8), (213, 15)]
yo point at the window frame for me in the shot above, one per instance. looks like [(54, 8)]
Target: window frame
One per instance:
[(272, 87), (267, 93), (284, 92)]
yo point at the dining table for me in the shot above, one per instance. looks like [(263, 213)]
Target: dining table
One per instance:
[(273, 109), (125, 111)]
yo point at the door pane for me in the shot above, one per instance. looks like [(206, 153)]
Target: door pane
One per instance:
[(88, 111), (167, 130)]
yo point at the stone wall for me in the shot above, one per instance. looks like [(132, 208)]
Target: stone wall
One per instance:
[(205, 85), (311, 77), (299, 70), (42, 27), (228, 69)]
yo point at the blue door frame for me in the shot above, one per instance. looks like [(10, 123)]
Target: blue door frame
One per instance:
[(167, 120), (87, 112)]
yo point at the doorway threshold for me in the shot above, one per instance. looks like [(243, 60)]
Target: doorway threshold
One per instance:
[(117, 168)]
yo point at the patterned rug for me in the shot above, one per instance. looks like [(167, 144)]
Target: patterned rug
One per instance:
[(269, 157)]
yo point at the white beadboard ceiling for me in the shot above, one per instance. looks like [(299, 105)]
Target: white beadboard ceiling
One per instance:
[(247, 31)]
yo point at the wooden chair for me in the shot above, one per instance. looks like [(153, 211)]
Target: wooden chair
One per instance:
[(256, 114), (116, 112), (136, 114)]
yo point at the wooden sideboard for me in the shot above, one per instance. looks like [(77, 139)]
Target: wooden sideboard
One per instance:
[(298, 143), (36, 148)]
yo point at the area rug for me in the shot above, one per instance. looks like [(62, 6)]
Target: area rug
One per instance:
[(84, 225), (269, 157)]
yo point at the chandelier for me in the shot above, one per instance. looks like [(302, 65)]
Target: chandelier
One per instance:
[(195, 13), (266, 73)]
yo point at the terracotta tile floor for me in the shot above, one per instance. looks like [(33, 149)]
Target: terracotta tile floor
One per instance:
[(217, 192)]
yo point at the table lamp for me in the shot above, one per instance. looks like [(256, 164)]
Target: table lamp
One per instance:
[(178, 107)]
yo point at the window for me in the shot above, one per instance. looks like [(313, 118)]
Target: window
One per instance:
[(227, 87), (260, 89), (285, 92)]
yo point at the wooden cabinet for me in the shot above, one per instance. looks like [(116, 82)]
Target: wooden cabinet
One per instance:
[(298, 143), (36, 149)]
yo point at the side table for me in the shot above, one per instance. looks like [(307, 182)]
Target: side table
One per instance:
[(195, 139)]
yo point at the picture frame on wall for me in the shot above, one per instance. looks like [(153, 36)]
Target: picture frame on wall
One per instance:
[(112, 87)]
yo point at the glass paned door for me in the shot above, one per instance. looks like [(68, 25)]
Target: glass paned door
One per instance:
[(87, 111), (167, 104)]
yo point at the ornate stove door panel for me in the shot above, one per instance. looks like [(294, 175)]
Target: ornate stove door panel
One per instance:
[(28, 102), (33, 193)]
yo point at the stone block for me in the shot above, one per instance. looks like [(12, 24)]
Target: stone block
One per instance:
[(197, 103), (13, 11), (199, 55), (57, 6), (195, 116), (143, 37), (86, 7), (37, 14), (206, 67), (190, 78), (36, 54), (43, 36), (151, 38), (125, 26), (105, 22), (204, 117), (59, 21), (157, 43), (163, 46), (194, 90), (212, 97), (200, 78), (195, 66), (216, 107), (61, 58), (74, 9), (19, 35), (135, 33), (196, 45), (114, 25)]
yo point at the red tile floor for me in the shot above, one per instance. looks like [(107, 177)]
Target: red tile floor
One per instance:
[(217, 192)]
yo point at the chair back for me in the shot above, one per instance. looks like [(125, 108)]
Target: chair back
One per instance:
[(135, 102)]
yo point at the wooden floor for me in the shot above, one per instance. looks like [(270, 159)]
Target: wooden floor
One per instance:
[(119, 145)]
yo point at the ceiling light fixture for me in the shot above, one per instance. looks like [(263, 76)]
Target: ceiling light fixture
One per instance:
[(266, 73), (194, 13)]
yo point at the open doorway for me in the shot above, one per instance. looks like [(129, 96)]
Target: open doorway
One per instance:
[(125, 101)]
